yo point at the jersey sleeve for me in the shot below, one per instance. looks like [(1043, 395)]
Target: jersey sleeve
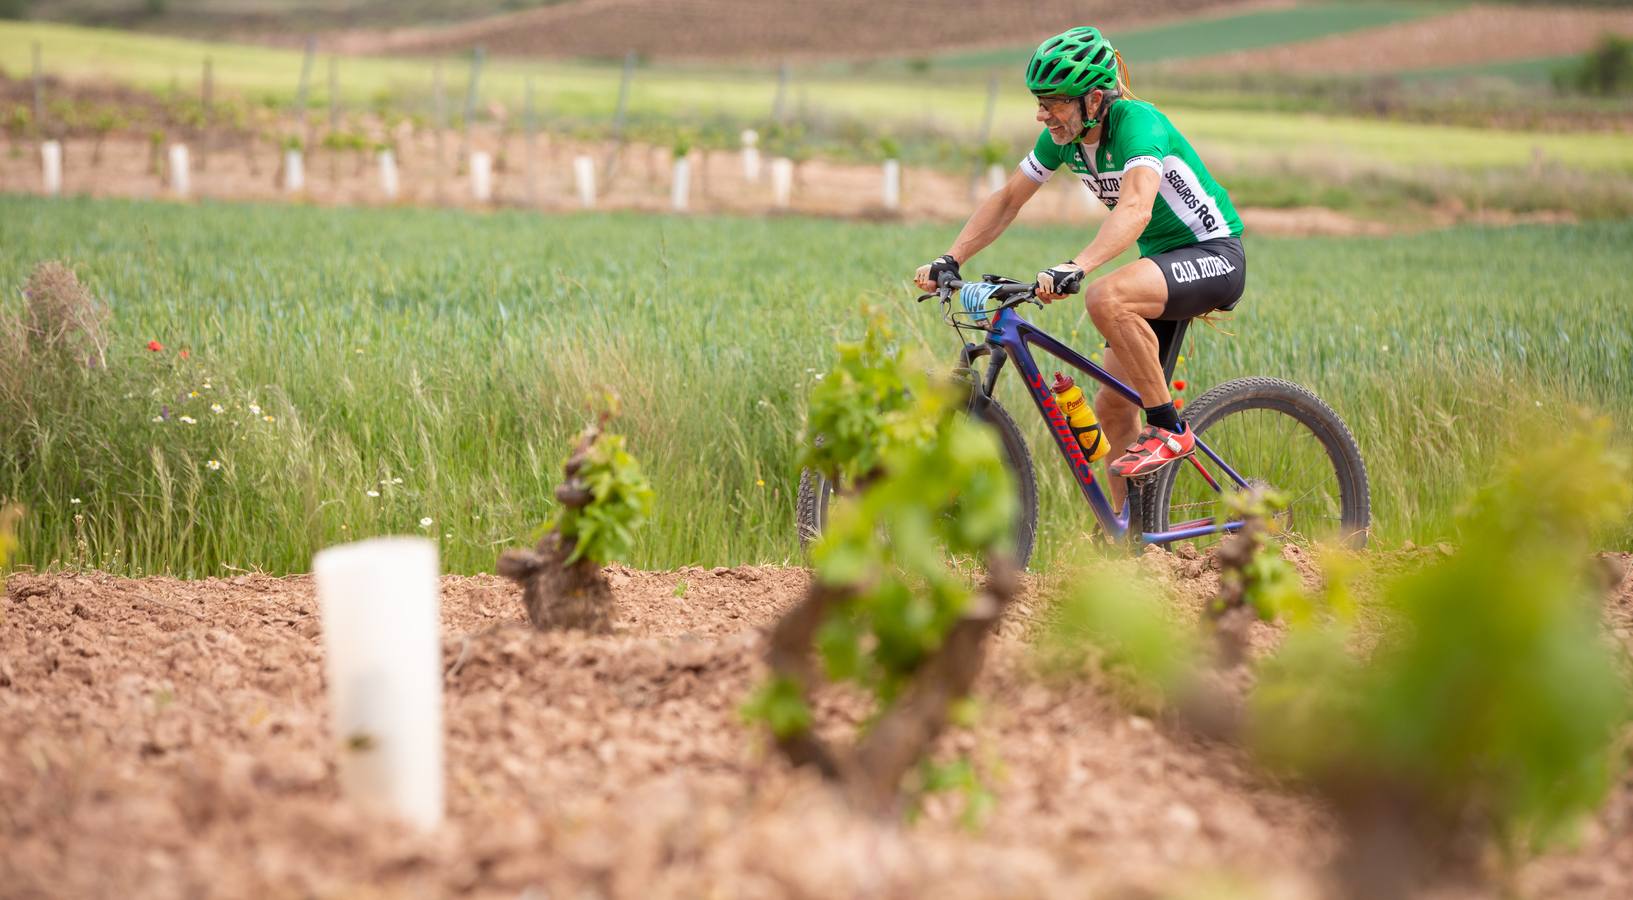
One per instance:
[(1043, 160), (1142, 138)]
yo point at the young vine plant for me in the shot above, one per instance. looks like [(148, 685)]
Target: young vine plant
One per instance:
[(888, 611)]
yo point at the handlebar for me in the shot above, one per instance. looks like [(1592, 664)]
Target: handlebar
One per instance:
[(1008, 292)]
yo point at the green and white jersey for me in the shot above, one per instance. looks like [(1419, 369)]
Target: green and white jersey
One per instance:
[(1190, 208)]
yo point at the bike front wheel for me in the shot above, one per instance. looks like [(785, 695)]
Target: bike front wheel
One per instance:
[(1274, 434), (815, 490)]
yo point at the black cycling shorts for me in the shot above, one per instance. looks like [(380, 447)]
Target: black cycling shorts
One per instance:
[(1201, 278)]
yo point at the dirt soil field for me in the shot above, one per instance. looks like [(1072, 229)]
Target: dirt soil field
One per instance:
[(244, 163), (168, 738), (1471, 36), (238, 170)]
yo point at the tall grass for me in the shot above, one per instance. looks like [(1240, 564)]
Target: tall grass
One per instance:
[(459, 352)]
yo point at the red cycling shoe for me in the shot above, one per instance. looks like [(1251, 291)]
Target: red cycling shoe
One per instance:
[(1153, 449)]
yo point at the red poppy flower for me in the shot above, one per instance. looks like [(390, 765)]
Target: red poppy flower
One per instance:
[(1179, 385), (155, 346), (1179, 404), (183, 354)]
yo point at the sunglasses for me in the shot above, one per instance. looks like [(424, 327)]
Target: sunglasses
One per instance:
[(1056, 106)]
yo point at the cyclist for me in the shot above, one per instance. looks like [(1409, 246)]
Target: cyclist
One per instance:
[(1160, 195)]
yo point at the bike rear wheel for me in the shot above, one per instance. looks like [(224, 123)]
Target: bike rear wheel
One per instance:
[(1279, 435), (815, 490)]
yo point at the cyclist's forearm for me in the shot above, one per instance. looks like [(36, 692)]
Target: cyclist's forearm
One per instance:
[(1116, 234), (985, 225)]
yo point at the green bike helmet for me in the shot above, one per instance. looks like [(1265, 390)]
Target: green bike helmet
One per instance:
[(1072, 63)]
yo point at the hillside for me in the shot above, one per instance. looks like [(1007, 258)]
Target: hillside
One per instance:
[(268, 18), (692, 29), (747, 29), (1482, 34)]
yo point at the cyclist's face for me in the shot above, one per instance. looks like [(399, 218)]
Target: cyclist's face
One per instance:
[(1063, 116)]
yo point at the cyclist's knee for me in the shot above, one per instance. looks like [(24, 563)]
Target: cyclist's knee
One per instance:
[(1101, 298)]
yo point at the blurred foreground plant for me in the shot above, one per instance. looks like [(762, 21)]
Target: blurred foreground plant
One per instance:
[(1254, 585), (886, 611), (604, 500), (1112, 622), (1495, 712), (1489, 712)]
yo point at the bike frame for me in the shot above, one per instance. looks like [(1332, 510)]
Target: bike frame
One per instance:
[(1012, 337)]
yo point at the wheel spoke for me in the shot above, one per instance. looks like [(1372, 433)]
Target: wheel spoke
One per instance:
[(1271, 447)]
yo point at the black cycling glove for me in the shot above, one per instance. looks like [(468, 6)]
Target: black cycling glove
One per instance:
[(944, 264), (1067, 277)]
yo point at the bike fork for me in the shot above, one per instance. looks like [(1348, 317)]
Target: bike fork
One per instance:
[(982, 387)]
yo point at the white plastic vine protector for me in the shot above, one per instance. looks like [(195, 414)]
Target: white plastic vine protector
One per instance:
[(51, 163), (782, 181), (389, 183), (180, 170), (680, 188), (382, 660), (294, 171), (584, 179), (481, 176)]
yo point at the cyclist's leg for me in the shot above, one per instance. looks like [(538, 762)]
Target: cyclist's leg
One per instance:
[(1119, 418), (1120, 304), (1119, 421)]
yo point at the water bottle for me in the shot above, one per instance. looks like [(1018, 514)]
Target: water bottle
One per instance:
[(1080, 416)]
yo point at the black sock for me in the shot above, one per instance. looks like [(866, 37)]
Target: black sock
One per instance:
[(1164, 417)]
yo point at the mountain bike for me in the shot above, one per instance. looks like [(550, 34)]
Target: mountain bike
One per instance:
[(1256, 431)]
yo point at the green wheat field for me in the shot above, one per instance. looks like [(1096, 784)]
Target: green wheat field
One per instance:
[(358, 372)]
